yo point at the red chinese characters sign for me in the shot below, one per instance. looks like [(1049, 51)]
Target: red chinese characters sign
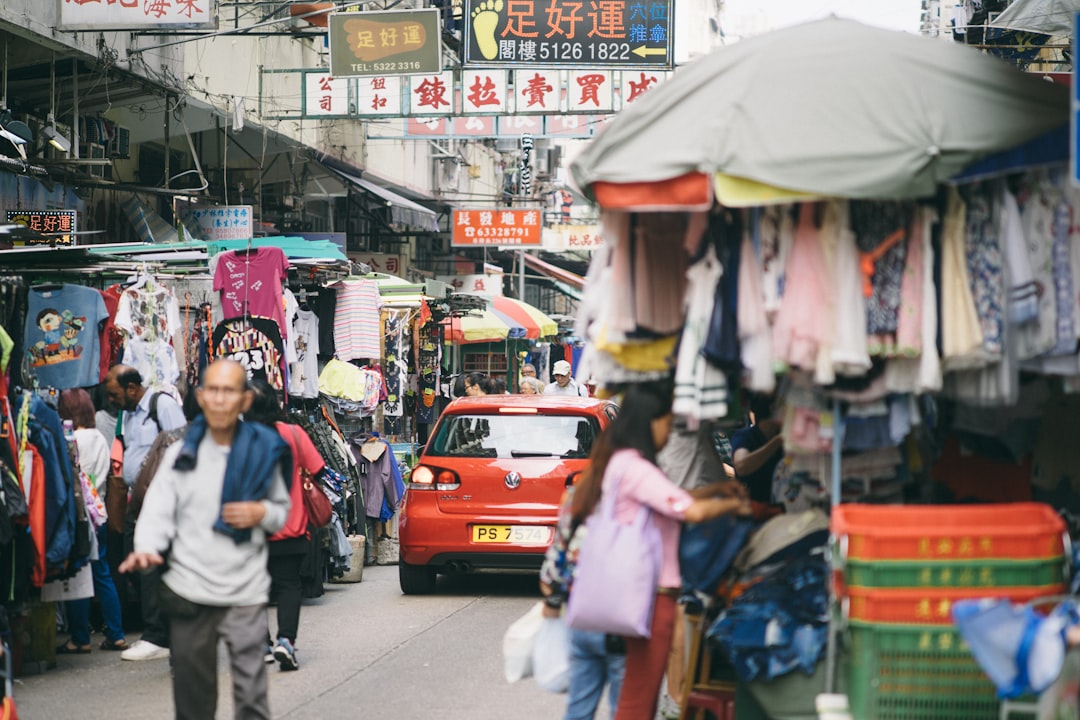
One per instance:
[(57, 225), (497, 228), (578, 33), (135, 14)]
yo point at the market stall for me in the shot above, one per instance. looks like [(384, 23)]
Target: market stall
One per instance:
[(810, 236)]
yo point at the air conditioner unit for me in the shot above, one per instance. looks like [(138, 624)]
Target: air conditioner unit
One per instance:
[(120, 144)]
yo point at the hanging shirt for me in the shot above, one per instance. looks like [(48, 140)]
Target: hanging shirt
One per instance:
[(357, 324), (150, 316), (61, 336), (251, 284), (304, 373), (255, 343), (112, 340)]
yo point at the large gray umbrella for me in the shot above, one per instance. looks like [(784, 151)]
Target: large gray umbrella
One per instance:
[(831, 107), (1048, 17)]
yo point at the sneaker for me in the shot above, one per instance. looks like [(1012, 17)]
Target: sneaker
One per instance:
[(144, 650), (285, 654), (268, 656), (667, 708)]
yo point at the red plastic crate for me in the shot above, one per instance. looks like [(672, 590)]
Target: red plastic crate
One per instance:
[(947, 532), (928, 606)]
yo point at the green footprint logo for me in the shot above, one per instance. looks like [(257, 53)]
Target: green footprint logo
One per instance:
[(485, 18)]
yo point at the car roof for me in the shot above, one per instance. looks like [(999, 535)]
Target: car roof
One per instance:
[(487, 403)]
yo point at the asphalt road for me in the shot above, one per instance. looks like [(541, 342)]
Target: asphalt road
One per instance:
[(366, 651)]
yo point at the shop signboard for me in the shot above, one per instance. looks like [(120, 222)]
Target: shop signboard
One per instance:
[(475, 284), (498, 227), (380, 262), (223, 222), (137, 14), (394, 42), (562, 238), (569, 33), (58, 225)]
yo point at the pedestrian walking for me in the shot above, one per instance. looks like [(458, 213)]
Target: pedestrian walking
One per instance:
[(93, 450), (217, 496), (288, 547), (564, 383), (631, 442)]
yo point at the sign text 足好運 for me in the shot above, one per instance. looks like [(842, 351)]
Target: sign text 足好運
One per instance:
[(575, 33), (395, 42)]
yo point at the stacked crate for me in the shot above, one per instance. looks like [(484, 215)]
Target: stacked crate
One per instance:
[(899, 569)]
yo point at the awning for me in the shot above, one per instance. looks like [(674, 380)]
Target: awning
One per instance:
[(295, 248), (482, 326), (402, 210), (524, 320), (554, 272)]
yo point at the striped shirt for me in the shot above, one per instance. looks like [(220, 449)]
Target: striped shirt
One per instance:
[(357, 327)]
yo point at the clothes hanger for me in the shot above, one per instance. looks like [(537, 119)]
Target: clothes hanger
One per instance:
[(47, 287)]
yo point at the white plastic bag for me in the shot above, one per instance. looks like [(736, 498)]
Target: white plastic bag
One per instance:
[(518, 643), (551, 656)]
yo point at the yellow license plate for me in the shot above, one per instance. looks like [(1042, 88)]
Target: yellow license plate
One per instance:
[(512, 534)]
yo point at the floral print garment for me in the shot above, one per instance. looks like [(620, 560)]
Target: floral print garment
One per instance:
[(984, 262)]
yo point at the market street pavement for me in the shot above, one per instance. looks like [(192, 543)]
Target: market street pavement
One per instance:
[(366, 651)]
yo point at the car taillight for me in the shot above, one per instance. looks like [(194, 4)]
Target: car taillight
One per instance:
[(429, 478), (422, 478)]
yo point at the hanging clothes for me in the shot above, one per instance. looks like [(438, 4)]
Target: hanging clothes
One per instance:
[(961, 331), (985, 265), (700, 387), (755, 333), (396, 369), (357, 320), (149, 315), (881, 233), (256, 344), (112, 339), (250, 283), (802, 326), (63, 344), (304, 372), (376, 462), (1038, 232), (850, 353)]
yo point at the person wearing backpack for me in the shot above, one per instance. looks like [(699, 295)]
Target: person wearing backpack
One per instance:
[(144, 414)]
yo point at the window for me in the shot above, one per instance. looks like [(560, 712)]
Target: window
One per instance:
[(490, 363), (515, 436)]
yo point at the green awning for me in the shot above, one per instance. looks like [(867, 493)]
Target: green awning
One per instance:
[(295, 248)]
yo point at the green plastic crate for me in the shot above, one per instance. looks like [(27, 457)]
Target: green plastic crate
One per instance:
[(956, 573), (915, 672)]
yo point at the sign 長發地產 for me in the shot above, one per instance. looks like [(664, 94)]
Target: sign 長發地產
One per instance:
[(575, 33), (500, 227), (395, 42)]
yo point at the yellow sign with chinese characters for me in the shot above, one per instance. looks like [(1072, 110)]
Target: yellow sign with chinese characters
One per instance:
[(396, 42)]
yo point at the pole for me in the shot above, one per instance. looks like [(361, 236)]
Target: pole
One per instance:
[(834, 500), (521, 275)]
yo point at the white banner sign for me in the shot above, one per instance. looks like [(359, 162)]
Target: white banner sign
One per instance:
[(562, 238), (137, 14), (476, 284), (224, 222)]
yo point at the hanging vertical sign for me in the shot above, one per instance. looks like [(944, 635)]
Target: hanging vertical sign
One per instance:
[(526, 164)]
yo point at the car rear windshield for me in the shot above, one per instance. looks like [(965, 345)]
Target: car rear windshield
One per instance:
[(514, 436)]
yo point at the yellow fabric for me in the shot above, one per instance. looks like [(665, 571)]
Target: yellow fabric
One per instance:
[(736, 192), (342, 380), (642, 356)]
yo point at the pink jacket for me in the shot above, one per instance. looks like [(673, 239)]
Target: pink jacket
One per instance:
[(643, 483)]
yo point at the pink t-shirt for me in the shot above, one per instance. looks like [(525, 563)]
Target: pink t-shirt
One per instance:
[(643, 483), (251, 283)]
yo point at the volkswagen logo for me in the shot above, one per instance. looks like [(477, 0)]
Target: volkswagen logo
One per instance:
[(512, 480)]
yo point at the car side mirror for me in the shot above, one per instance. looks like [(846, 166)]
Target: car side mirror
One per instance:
[(572, 479)]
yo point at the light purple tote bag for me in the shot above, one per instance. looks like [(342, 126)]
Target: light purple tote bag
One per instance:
[(617, 571)]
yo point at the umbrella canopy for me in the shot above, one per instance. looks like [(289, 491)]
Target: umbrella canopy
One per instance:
[(831, 107), (524, 320), (479, 326), (1048, 17)]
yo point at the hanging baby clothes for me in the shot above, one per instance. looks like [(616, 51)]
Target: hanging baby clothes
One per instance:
[(659, 271), (112, 339), (304, 373), (149, 314), (985, 267), (700, 387), (250, 283), (961, 332), (375, 458), (777, 235), (1038, 223), (357, 323), (255, 343), (909, 324), (755, 334), (881, 233), (61, 336), (396, 370), (287, 331), (1063, 277), (802, 327), (850, 355)]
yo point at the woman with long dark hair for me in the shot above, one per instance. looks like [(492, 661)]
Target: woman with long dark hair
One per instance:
[(288, 547), (641, 428)]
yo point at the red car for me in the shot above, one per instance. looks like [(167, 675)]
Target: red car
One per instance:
[(485, 491)]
